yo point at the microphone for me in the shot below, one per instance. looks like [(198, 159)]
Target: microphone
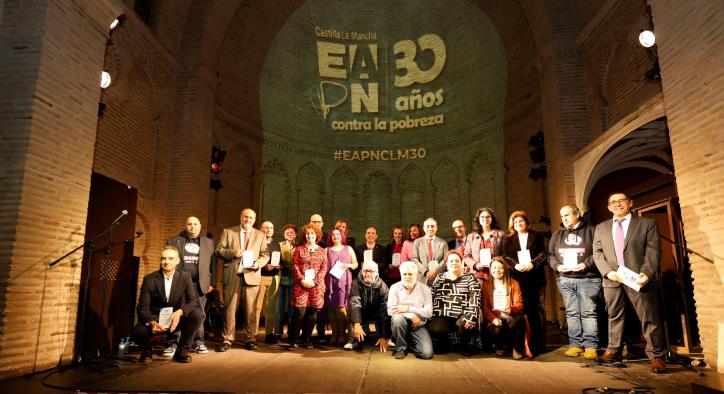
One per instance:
[(138, 235), (118, 219)]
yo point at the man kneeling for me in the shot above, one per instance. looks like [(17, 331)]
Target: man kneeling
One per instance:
[(368, 302), (167, 288), (410, 305)]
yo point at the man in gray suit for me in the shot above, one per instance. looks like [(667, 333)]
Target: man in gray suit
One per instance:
[(237, 244), (631, 242), (426, 249)]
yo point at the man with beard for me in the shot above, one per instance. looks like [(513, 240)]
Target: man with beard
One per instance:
[(368, 302), (410, 305)]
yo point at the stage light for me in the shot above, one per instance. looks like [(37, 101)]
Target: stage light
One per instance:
[(118, 22), (647, 39), (105, 79)]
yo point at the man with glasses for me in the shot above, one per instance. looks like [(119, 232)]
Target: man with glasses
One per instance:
[(368, 302), (631, 242)]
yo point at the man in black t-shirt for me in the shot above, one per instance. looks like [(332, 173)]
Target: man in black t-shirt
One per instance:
[(197, 259)]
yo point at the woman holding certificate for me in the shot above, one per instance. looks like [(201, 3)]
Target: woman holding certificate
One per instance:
[(309, 269), (341, 260), (525, 254), (484, 243), (455, 304), (503, 310)]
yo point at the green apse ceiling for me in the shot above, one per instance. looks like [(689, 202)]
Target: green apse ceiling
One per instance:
[(382, 74)]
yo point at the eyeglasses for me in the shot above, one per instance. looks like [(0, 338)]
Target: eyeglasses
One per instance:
[(617, 202)]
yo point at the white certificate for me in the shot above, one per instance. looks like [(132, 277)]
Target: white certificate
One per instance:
[(275, 256), (337, 270), (368, 256), (309, 274), (247, 259), (523, 256), (500, 299), (395, 259), (432, 265), (164, 317), (628, 277), (570, 258), (485, 257)]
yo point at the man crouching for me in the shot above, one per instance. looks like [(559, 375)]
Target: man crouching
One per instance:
[(167, 288)]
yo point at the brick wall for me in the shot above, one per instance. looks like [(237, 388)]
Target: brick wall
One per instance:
[(134, 141), (49, 116), (690, 38)]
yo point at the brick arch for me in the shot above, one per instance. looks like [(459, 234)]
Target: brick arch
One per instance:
[(447, 196), (276, 188), (310, 193), (412, 185), (148, 246)]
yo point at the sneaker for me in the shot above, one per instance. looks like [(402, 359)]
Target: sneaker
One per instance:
[(590, 353), (390, 344), (201, 349), (516, 355), (348, 346), (169, 351), (400, 354), (573, 351)]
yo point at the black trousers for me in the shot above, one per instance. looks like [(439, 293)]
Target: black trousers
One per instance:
[(306, 316), (440, 328), (188, 326), (511, 332)]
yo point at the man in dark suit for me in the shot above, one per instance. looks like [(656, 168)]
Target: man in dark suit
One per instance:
[(631, 242), (242, 288), (429, 248), (164, 288), (458, 243), (199, 260), (379, 252)]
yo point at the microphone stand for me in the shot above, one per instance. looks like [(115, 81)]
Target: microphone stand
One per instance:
[(671, 355), (78, 359)]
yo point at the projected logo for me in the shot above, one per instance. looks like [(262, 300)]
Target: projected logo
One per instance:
[(353, 80), (382, 74)]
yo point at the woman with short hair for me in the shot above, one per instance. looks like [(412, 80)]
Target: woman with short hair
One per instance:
[(455, 306), (309, 269)]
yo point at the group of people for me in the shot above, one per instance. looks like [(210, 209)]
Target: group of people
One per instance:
[(424, 295)]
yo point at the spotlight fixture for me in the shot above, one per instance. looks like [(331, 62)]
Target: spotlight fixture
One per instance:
[(105, 79), (118, 22), (647, 39)]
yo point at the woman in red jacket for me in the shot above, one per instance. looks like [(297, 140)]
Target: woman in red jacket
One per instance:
[(308, 271), (503, 310)]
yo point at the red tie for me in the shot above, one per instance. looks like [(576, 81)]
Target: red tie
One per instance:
[(429, 249), (246, 240)]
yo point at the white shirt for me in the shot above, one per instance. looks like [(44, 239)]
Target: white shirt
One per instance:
[(523, 240), (419, 302), (167, 282), (625, 223)]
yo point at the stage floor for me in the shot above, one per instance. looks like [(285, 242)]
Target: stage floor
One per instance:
[(272, 368)]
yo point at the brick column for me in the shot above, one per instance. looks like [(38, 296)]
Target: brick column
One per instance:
[(690, 38), (52, 56), (564, 110)]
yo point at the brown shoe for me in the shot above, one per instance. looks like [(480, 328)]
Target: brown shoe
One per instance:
[(609, 356), (145, 356), (182, 356), (657, 365)]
